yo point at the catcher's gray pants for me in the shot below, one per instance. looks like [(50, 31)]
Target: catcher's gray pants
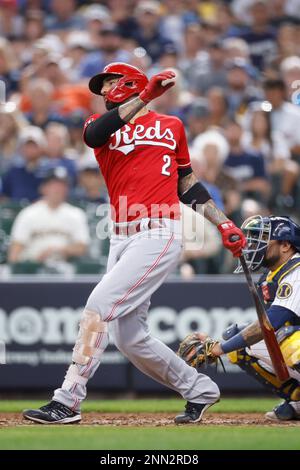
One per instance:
[(137, 266)]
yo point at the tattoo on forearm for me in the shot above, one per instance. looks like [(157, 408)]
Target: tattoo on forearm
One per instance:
[(209, 208), (212, 213), (128, 110), (186, 182), (252, 334)]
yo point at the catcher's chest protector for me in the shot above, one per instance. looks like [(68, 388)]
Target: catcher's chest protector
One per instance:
[(268, 283)]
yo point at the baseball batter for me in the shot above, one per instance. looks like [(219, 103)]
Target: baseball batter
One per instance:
[(144, 159)]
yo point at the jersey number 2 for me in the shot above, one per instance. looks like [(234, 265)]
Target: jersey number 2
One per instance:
[(164, 170)]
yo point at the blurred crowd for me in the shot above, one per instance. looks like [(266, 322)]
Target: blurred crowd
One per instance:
[(237, 92)]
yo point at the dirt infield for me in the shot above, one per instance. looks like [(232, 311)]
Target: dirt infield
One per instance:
[(155, 420)]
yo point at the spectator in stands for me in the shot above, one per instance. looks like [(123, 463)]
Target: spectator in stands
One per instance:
[(147, 32), (78, 45), (168, 59), (251, 207), (246, 167), (281, 14), (40, 94), (212, 33), (199, 170), (194, 56), (65, 96), (288, 40), (75, 123), (260, 36), (68, 96), (272, 145), (50, 228), (109, 49), (285, 116), (214, 74), (54, 70), (172, 24), (22, 180), (11, 123), (290, 70), (33, 31), (218, 107), (197, 119), (91, 186), (11, 24), (208, 150), (63, 16), (58, 152), (225, 20), (236, 48), (34, 58), (209, 147), (9, 73), (240, 90), (34, 26), (95, 17)]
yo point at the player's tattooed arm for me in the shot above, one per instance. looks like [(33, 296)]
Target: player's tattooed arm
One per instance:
[(99, 130), (213, 213), (252, 334), (186, 182), (207, 208), (128, 110)]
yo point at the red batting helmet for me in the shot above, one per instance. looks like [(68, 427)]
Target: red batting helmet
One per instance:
[(132, 81)]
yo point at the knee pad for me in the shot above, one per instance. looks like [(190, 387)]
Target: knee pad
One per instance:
[(289, 340), (289, 390), (87, 345)]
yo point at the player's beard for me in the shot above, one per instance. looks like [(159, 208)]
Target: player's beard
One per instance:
[(270, 261), (111, 105)]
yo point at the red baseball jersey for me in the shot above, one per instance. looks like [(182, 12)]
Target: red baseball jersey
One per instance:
[(140, 163)]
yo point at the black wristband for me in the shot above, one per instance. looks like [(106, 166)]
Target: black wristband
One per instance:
[(182, 172), (197, 194)]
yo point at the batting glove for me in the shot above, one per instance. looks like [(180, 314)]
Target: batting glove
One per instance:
[(157, 85), (229, 232)]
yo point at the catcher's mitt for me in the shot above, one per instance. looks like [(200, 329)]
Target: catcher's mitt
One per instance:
[(195, 351)]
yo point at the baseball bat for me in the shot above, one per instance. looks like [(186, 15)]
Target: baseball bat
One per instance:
[(267, 329)]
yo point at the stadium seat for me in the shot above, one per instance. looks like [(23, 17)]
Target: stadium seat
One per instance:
[(90, 266), (26, 267)]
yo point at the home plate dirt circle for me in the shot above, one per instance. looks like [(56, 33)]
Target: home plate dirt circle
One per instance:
[(154, 420)]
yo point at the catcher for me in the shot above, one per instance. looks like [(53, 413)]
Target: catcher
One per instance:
[(274, 243)]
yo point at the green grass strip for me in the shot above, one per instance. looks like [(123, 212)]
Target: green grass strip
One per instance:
[(176, 438)]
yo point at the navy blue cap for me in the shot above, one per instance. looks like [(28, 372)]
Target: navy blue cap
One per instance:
[(59, 173)]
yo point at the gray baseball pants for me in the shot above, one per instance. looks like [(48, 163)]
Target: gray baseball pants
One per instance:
[(137, 266)]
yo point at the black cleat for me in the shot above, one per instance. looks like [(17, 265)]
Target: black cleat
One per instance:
[(283, 412), (52, 413), (193, 413)]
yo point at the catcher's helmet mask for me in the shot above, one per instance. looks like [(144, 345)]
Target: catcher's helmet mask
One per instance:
[(260, 230), (131, 81)]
